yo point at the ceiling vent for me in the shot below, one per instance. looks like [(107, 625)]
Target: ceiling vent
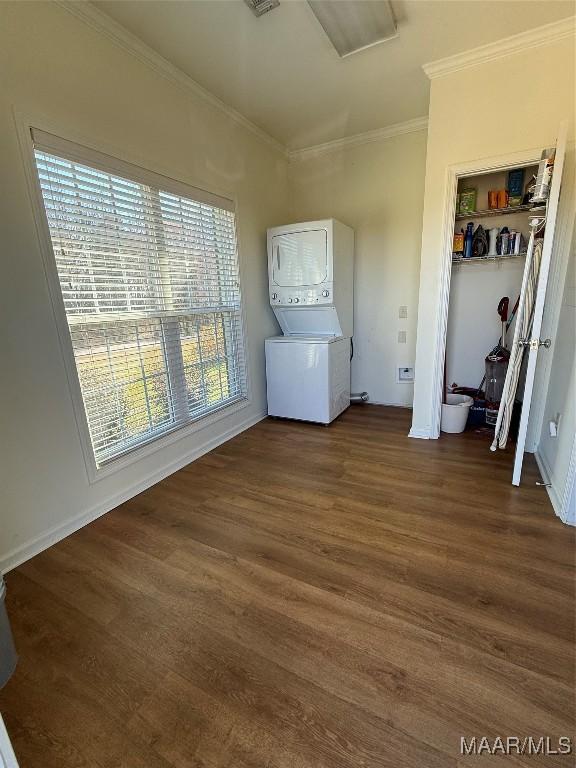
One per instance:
[(260, 7), (353, 25)]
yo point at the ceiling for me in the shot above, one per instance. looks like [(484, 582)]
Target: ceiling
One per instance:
[(281, 72)]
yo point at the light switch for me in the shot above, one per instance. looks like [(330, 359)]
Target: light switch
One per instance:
[(405, 375)]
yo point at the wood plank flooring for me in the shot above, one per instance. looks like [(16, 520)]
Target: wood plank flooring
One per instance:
[(302, 597)]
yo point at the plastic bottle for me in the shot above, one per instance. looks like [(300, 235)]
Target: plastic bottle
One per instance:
[(468, 239)]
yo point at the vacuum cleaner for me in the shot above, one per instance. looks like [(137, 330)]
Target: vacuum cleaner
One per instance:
[(484, 411), (496, 363)]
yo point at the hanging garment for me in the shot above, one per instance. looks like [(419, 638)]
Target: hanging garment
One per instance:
[(522, 331)]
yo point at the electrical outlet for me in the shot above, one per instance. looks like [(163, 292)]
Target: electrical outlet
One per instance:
[(401, 337), (403, 312), (405, 375)]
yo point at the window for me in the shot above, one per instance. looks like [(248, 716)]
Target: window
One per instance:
[(149, 279)]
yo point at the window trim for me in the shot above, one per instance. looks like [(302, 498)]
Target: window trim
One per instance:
[(115, 164)]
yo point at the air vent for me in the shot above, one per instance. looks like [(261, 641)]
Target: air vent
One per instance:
[(260, 7)]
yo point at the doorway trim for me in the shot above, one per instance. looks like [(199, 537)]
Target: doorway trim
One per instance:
[(453, 174)]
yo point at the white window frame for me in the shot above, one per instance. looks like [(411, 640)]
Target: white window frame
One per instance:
[(111, 160)]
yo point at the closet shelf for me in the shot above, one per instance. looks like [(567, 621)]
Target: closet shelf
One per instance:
[(493, 212), (476, 259)]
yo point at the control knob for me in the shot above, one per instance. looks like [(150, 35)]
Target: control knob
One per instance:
[(325, 294), (289, 301), (274, 295), (296, 300)]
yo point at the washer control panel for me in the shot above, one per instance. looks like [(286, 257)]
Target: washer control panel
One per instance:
[(302, 296)]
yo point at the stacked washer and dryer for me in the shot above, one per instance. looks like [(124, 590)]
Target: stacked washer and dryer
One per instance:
[(311, 288)]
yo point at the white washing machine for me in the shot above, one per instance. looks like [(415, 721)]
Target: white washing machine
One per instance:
[(308, 377)]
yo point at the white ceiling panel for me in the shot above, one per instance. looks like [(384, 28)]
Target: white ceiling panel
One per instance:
[(354, 25)]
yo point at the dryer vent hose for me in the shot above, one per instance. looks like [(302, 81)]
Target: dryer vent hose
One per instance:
[(359, 397)]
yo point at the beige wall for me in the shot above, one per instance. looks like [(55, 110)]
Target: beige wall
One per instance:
[(55, 66), (536, 90), (377, 189)]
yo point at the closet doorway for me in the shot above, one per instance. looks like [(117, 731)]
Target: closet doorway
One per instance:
[(491, 268)]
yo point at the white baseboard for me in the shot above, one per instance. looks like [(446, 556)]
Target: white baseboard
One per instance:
[(39, 543), (546, 473), (420, 434), (391, 405)]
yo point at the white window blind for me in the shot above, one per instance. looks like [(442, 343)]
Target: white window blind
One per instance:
[(149, 280)]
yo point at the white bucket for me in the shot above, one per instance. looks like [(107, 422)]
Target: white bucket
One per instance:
[(455, 413)]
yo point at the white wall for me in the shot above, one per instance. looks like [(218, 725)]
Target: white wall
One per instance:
[(376, 188), (474, 326), (55, 66), (569, 505), (543, 96), (554, 453)]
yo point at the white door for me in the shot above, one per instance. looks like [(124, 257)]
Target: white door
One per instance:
[(7, 756), (535, 342), (300, 258)]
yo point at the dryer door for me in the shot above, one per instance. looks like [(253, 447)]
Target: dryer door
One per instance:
[(300, 258)]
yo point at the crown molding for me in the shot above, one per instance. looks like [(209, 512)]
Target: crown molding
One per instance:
[(388, 132), (105, 25), (549, 33)]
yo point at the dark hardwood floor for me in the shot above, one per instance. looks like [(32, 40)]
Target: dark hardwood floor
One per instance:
[(302, 597)]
